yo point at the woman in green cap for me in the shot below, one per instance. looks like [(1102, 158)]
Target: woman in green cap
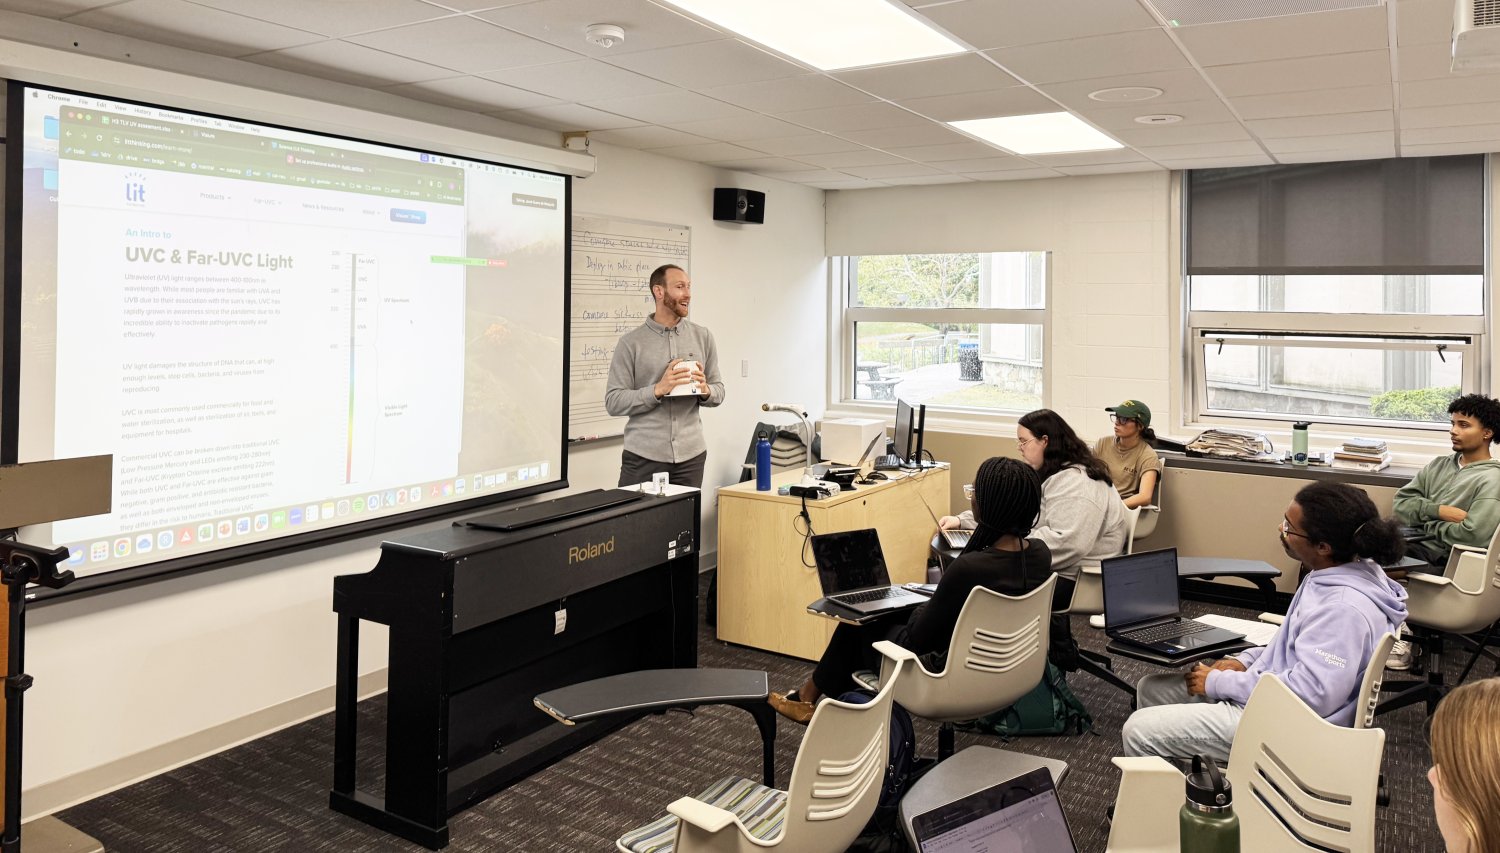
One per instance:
[(1133, 464)]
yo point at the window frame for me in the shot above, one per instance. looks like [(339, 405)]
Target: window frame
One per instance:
[(842, 267)]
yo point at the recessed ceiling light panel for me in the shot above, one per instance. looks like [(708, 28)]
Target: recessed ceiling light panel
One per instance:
[(1125, 93), (1041, 133), (1159, 118), (828, 34)]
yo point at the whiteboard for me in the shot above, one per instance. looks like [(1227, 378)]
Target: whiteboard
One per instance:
[(612, 261)]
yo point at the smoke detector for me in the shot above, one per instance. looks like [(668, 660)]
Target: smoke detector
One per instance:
[(604, 35), (1159, 118)]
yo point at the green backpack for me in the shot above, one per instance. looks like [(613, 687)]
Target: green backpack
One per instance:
[(1051, 708)]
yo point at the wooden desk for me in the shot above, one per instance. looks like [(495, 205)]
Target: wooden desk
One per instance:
[(764, 585)]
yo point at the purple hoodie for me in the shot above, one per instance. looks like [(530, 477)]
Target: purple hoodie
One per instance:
[(1322, 648)]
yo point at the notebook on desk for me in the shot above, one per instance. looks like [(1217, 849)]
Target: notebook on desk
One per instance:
[(1142, 607), (851, 568), (1021, 815)]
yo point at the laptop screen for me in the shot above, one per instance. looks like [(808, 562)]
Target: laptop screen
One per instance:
[(850, 559), (1020, 815), (1138, 587)]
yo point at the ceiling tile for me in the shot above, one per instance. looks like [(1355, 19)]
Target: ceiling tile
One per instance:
[(1424, 61), (1029, 174), (335, 18), (1446, 149), (1351, 142), (463, 44), (708, 151), (351, 63), (985, 24), (949, 75), (568, 117), (1424, 22), (646, 138), (940, 153), (471, 5), (1335, 156), (895, 170), (1111, 169), (1366, 68), (472, 93), (200, 28), (795, 146), (849, 183), (1453, 90), (582, 80), (1281, 128), (741, 128), (1438, 135), (1202, 149), (1124, 118), (819, 175), (997, 163), (1182, 86), (1017, 100), (1286, 36), (1217, 162), (647, 26), (1318, 102), (1182, 134), (926, 133), (764, 165), (1087, 158), (804, 92), (1450, 116), (845, 159), (1098, 56), (927, 180), (872, 116), (52, 8), (669, 107), (707, 65)]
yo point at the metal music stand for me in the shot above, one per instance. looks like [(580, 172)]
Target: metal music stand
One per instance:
[(36, 493)]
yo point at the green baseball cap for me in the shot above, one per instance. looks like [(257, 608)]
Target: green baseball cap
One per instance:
[(1132, 409)]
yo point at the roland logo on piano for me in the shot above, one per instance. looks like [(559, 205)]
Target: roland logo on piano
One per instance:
[(578, 554)]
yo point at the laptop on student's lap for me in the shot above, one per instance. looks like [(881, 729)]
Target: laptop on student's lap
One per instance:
[(954, 540), (1142, 608), (851, 568), (1021, 815)]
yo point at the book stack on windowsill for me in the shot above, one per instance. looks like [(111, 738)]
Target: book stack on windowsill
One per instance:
[(1362, 454)]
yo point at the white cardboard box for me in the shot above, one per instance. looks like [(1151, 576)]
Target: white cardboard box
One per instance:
[(845, 439)]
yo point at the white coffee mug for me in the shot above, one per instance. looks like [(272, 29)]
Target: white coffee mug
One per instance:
[(689, 389)]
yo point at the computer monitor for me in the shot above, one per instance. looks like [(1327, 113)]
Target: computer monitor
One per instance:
[(907, 434)]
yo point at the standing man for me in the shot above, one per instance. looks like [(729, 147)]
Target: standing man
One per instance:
[(665, 353), (1455, 499)]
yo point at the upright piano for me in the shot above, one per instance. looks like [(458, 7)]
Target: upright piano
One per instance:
[(481, 622)]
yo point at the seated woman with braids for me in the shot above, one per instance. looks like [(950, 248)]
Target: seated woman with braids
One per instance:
[(1007, 496)]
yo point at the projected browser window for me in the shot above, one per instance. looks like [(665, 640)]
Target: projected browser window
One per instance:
[(275, 331)]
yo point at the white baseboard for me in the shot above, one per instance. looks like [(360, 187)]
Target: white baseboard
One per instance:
[(85, 785)]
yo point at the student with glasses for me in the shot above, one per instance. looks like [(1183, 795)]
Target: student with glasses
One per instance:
[(1133, 464), (1337, 616)]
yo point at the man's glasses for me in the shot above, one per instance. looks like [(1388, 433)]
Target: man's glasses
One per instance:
[(1286, 530)]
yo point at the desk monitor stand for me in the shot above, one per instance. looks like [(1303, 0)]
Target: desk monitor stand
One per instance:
[(36, 493)]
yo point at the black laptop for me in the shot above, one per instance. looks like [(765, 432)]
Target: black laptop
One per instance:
[(1021, 815), (852, 569), (1141, 607)]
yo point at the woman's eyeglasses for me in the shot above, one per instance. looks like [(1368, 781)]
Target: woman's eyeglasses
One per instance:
[(1119, 419)]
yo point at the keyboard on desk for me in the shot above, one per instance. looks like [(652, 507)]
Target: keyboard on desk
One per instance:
[(889, 462), (1167, 631), (868, 595)]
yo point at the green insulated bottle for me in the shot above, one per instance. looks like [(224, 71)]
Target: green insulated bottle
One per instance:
[(1207, 821)]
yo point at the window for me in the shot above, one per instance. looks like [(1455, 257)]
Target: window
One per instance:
[(959, 331), (1340, 293)]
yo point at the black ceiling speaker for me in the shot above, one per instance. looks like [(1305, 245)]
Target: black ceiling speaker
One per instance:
[(737, 205)]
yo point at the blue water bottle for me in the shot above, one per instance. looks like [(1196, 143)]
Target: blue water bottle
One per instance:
[(763, 463)]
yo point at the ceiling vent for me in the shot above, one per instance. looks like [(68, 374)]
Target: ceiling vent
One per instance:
[(1187, 13), (1476, 35)]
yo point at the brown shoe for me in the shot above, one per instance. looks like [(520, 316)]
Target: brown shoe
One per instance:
[(791, 706)]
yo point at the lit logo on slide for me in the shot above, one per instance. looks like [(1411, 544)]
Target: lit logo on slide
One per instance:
[(135, 189)]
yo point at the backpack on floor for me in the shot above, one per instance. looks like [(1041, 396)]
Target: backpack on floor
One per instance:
[(1051, 708), (883, 832)]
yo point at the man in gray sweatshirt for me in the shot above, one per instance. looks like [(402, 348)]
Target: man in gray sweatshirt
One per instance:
[(1455, 499), (661, 374)]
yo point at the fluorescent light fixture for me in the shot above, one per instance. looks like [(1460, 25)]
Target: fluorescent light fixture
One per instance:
[(1041, 133), (828, 34)]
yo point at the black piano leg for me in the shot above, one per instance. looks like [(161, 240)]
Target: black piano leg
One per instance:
[(345, 702)]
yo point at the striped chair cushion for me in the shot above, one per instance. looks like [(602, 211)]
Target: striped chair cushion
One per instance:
[(762, 810)]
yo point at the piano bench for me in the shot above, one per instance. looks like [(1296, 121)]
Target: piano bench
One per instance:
[(664, 689)]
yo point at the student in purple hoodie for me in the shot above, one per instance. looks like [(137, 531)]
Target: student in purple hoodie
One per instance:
[(1321, 651)]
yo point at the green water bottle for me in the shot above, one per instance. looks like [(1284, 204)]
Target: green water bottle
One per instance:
[(1207, 821), (1299, 442)]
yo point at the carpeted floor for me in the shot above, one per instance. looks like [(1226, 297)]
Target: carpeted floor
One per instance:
[(272, 794)]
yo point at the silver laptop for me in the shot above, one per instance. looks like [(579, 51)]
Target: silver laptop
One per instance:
[(954, 540), (851, 568), (1142, 608), (1021, 815)]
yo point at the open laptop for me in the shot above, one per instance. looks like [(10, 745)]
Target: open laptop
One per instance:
[(852, 569), (954, 540), (1022, 815), (1142, 609)]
